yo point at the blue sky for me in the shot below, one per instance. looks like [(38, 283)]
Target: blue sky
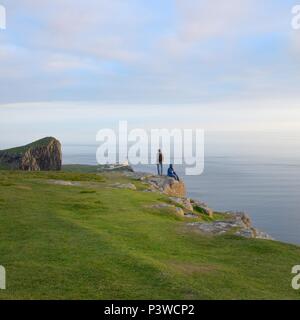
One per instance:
[(233, 64)]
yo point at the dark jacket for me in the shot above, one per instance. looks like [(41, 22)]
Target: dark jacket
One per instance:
[(171, 172)]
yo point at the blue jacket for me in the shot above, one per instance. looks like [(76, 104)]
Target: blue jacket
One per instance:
[(171, 172)]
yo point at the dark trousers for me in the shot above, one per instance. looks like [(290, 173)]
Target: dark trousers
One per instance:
[(175, 176), (159, 169)]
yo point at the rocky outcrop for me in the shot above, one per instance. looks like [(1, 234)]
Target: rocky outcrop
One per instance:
[(115, 168), (202, 207), (141, 176), (44, 154), (238, 224), (184, 202), (178, 211), (163, 184), (167, 185), (235, 223), (191, 206)]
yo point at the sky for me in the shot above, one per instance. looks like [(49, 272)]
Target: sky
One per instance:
[(71, 67)]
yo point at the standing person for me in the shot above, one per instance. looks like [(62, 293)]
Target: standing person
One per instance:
[(159, 162), (172, 173)]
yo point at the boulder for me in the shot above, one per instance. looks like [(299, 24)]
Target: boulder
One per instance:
[(202, 207), (44, 154), (167, 185), (240, 217), (178, 211), (184, 202)]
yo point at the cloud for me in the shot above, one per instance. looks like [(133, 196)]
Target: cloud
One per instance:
[(58, 62), (147, 51), (103, 28), (202, 19)]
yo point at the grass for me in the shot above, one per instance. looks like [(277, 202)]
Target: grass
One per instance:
[(21, 150), (81, 168), (91, 241)]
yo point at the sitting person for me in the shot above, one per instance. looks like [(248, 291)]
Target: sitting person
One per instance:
[(172, 173)]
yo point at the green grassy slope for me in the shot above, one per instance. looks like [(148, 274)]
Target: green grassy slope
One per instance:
[(23, 149), (89, 241), (81, 168)]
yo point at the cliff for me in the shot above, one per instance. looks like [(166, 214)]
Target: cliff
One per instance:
[(167, 185), (133, 239), (237, 223), (42, 155)]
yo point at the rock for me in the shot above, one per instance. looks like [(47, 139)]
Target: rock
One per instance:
[(150, 189), (162, 206), (176, 210), (137, 175), (253, 233), (44, 154), (202, 207), (246, 233), (179, 211), (162, 184), (241, 217), (185, 202), (115, 168), (262, 235), (167, 185), (217, 227), (238, 223), (191, 215)]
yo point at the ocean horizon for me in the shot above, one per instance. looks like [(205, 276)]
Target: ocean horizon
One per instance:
[(252, 177)]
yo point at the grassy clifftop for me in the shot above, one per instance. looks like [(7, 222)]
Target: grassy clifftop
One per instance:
[(21, 150), (73, 235), (43, 154)]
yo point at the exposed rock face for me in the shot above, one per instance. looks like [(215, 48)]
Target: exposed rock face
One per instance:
[(44, 154), (241, 218), (178, 211), (184, 202), (115, 167), (142, 176), (168, 185), (163, 184), (237, 223), (202, 207)]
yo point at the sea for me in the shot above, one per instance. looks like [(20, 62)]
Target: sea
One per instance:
[(257, 173)]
